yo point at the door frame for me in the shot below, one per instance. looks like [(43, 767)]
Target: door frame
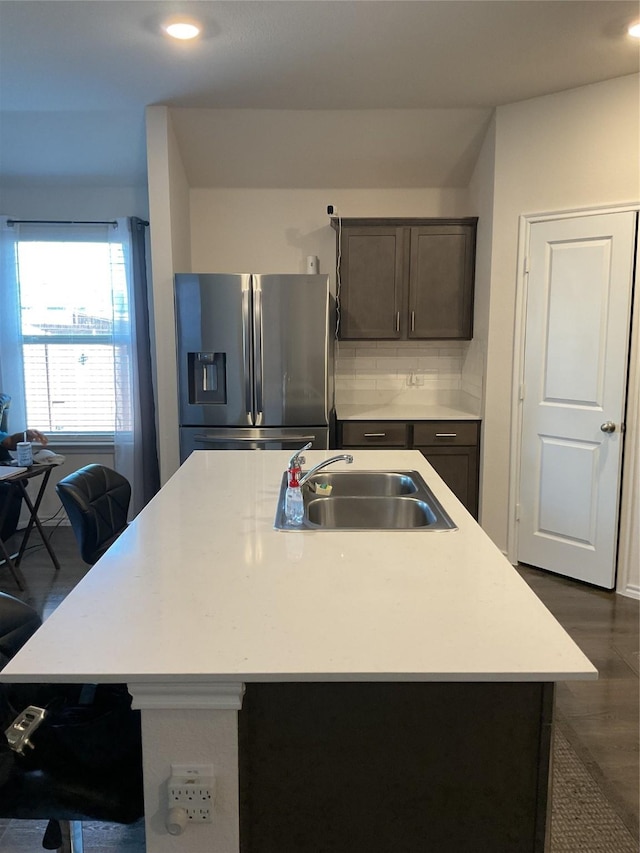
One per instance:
[(522, 281)]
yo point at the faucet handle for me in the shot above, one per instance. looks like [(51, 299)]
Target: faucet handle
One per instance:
[(296, 458)]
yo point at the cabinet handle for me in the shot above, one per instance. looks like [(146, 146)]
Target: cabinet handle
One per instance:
[(397, 321), (375, 434), (446, 434), (413, 321)]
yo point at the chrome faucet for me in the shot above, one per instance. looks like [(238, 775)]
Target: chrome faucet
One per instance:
[(344, 457)]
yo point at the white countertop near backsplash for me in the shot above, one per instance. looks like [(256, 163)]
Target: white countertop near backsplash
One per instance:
[(410, 405)]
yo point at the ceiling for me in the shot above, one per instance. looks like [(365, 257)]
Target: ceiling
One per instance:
[(76, 77)]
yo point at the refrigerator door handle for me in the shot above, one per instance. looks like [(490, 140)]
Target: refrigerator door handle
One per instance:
[(258, 367), (246, 352)]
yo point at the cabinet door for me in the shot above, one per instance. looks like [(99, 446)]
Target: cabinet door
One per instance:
[(371, 286), (441, 282), (458, 467)]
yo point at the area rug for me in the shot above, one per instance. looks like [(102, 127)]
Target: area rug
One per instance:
[(583, 820)]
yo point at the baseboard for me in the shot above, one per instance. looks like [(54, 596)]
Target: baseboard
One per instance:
[(630, 591)]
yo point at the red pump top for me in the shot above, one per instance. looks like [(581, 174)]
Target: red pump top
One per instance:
[(294, 474)]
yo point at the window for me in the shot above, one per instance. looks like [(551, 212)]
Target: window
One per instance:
[(72, 302)]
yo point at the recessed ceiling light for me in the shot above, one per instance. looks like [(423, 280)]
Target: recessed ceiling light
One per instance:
[(182, 28), (634, 30)]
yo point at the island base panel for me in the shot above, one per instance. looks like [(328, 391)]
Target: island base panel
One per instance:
[(402, 767)]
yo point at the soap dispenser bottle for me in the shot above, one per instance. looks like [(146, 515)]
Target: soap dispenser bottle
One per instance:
[(293, 503)]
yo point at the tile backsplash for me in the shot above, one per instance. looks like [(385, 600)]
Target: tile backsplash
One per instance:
[(406, 365)]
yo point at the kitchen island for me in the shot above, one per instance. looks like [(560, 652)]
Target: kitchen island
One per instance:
[(353, 690)]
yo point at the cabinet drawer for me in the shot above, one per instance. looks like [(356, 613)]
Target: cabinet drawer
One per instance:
[(386, 433), (443, 433)]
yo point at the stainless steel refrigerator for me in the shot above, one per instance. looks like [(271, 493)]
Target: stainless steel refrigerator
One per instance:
[(255, 361)]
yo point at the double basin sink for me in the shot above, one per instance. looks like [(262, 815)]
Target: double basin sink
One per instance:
[(367, 500)]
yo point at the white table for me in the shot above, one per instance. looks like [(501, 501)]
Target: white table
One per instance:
[(202, 596)]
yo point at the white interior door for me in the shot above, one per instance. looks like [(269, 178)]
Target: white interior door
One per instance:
[(575, 369)]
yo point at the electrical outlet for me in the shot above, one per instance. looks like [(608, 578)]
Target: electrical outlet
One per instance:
[(415, 379), (191, 787)]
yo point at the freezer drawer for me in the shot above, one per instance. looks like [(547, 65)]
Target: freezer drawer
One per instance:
[(203, 438)]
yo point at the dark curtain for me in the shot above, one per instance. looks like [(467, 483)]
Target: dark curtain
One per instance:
[(148, 452)]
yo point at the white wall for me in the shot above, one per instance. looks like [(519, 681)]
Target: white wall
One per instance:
[(481, 195), (169, 233), (573, 150), (273, 230), (390, 148), (77, 203)]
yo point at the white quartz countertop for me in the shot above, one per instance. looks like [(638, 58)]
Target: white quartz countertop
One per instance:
[(409, 406), (402, 412), (202, 588)]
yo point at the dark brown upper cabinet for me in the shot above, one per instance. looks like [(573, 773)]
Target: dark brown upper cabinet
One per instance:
[(406, 279)]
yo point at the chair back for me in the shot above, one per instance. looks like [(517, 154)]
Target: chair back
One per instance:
[(96, 499)]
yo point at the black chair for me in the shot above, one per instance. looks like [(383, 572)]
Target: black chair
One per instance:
[(96, 500), (104, 786)]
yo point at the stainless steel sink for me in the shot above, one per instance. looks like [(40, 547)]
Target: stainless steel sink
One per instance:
[(385, 513), (367, 483), (368, 500)]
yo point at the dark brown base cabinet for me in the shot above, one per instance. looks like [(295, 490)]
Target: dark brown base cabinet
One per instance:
[(451, 447), (394, 767)]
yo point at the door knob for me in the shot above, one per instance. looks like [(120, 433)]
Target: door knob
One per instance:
[(608, 426)]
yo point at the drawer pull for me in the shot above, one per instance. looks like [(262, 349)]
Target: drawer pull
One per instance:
[(375, 434), (446, 435), (397, 321), (413, 321)]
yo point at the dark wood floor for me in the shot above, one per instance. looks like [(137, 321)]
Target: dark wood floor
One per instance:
[(46, 587), (601, 717)]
